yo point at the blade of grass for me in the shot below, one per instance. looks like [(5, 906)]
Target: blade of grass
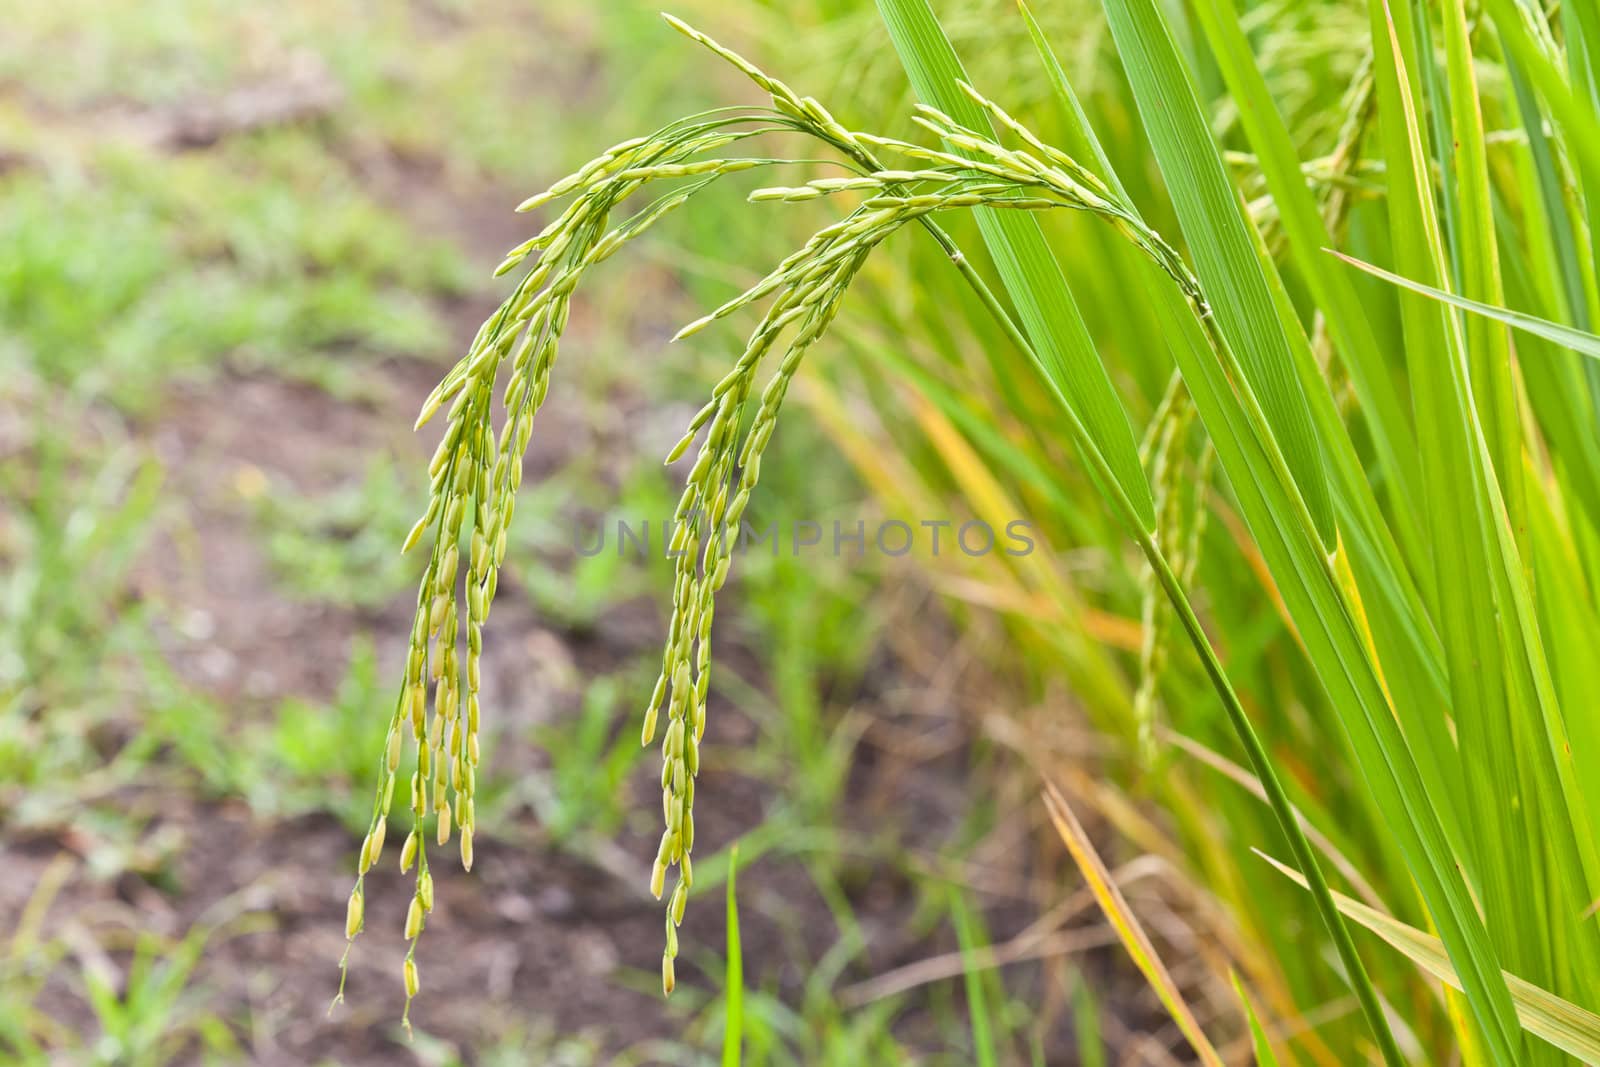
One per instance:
[(1565, 1025), (1471, 403), (1276, 507), (1575, 283), (733, 981), (1383, 594), (1307, 233), (1570, 621), (1126, 924), (1526, 750), (1402, 635), (1064, 352), (1455, 485), (1555, 379), (1579, 341), (1081, 141), (1487, 345), (1210, 213), (1575, 115), (972, 977), (1581, 27), (1511, 759), (1263, 467), (1086, 1025), (1265, 1057), (1417, 678)]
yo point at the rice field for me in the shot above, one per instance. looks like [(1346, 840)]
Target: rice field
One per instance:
[(1251, 344)]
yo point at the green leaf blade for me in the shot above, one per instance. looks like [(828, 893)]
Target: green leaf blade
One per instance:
[(1211, 216), (1030, 271), (733, 981), (1579, 341)]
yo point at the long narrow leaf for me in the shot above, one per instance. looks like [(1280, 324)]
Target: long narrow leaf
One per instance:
[(1031, 274), (733, 982), (1565, 1025), (1265, 1057), (1587, 344), (1211, 215), (1303, 225), (969, 941), (1122, 919)]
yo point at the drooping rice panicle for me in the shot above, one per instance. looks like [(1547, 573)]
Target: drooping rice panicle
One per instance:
[(477, 471), (475, 474)]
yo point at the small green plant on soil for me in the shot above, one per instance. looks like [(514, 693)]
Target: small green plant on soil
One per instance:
[(147, 273), (1445, 617), (339, 547)]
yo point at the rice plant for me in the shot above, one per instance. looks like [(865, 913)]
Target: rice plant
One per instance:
[(1407, 459)]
